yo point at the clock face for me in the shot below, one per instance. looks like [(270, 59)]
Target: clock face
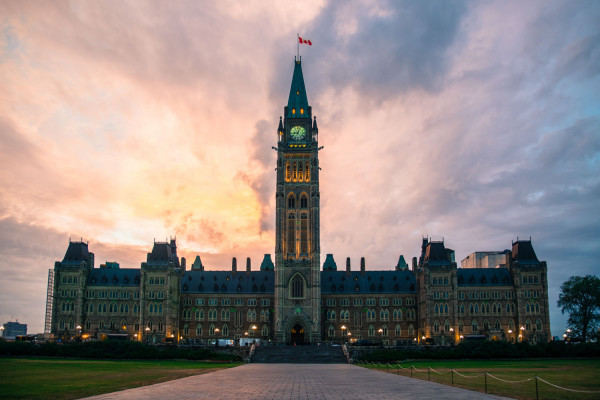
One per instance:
[(298, 133)]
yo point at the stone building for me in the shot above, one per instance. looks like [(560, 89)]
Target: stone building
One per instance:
[(499, 295)]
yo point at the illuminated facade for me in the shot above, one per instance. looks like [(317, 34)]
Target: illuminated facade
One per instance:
[(293, 299)]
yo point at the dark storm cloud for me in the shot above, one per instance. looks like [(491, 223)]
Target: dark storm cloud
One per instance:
[(383, 50)]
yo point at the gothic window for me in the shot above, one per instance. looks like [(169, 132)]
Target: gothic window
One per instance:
[(61, 324), (292, 201), (199, 315), (88, 325), (294, 172), (436, 326), (486, 325), (300, 172), (199, 330), (297, 287), (384, 315), (528, 325), (186, 329), (161, 326), (460, 326), (538, 324), (307, 172), (474, 326), (225, 330), (265, 331), (303, 231), (411, 330), (288, 173), (225, 315), (384, 330), (331, 331), (291, 235), (303, 201), (211, 330), (371, 331), (497, 325), (398, 330)]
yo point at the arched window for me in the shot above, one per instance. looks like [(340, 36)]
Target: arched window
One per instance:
[(460, 326), (538, 324), (497, 325), (292, 201), (211, 330), (384, 315), (474, 326), (150, 325), (307, 172), (398, 330), (71, 324), (303, 201), (297, 287), (436, 326), (225, 330), (199, 315), (331, 331), (265, 331), (397, 315), (186, 329), (225, 315), (88, 325), (446, 326), (288, 173), (161, 326), (300, 172), (61, 324), (294, 172), (384, 330), (528, 325), (199, 330), (371, 331), (411, 330), (486, 325)]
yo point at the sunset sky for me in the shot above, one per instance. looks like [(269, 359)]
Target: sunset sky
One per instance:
[(122, 122)]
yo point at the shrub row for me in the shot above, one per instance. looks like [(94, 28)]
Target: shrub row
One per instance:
[(120, 350), (488, 350)]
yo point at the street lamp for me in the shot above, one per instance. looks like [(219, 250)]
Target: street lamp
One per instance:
[(343, 332), (522, 334)]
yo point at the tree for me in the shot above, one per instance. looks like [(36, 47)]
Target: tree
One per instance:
[(580, 297)]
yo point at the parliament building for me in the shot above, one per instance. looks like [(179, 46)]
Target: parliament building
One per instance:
[(494, 295)]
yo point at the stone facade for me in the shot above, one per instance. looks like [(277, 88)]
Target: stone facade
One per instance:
[(294, 300)]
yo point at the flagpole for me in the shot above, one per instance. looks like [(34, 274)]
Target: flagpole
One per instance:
[(298, 45)]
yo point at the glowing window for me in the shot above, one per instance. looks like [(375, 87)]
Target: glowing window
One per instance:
[(293, 111), (302, 111), (307, 172)]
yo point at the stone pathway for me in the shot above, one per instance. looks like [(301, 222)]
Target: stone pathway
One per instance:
[(297, 381)]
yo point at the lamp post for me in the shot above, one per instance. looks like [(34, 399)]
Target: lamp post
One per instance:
[(461, 338), (343, 333), (522, 334), (78, 332), (147, 332)]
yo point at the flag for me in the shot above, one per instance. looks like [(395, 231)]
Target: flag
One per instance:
[(304, 41)]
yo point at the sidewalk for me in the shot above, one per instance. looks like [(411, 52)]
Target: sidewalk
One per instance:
[(297, 381)]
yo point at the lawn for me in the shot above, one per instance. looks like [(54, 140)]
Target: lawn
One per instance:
[(573, 374), (29, 378)]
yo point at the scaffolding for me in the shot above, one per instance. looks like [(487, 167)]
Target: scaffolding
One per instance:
[(49, 303)]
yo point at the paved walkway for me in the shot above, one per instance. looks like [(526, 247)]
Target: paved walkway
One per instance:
[(297, 381)]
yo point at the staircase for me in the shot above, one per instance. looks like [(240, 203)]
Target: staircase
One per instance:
[(308, 354)]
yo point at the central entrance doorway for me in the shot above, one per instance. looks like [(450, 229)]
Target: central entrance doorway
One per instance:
[(297, 334)]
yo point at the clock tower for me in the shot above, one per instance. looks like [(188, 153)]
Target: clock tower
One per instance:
[(297, 244)]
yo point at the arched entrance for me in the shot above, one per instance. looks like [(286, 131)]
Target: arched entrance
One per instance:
[(297, 334)]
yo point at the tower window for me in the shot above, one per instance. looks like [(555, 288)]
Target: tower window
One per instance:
[(300, 172), (297, 92), (288, 173), (307, 172), (293, 111), (297, 287), (292, 201), (302, 111), (294, 172), (303, 201)]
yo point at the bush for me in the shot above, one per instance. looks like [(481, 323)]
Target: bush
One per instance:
[(488, 350), (119, 350)]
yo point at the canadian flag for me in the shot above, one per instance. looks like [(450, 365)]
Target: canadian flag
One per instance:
[(304, 41)]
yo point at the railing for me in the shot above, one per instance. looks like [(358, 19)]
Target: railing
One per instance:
[(536, 379)]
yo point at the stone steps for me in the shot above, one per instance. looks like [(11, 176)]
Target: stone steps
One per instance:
[(308, 354)]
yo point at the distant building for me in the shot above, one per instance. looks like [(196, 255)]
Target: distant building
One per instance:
[(292, 298), (486, 259), (13, 329)]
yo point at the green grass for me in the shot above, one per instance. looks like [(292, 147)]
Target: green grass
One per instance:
[(28, 378), (572, 374)]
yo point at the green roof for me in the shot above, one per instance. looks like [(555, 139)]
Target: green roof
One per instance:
[(298, 99)]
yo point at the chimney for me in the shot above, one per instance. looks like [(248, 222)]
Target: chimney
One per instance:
[(362, 265), (234, 264), (248, 264), (348, 265), (183, 264)]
